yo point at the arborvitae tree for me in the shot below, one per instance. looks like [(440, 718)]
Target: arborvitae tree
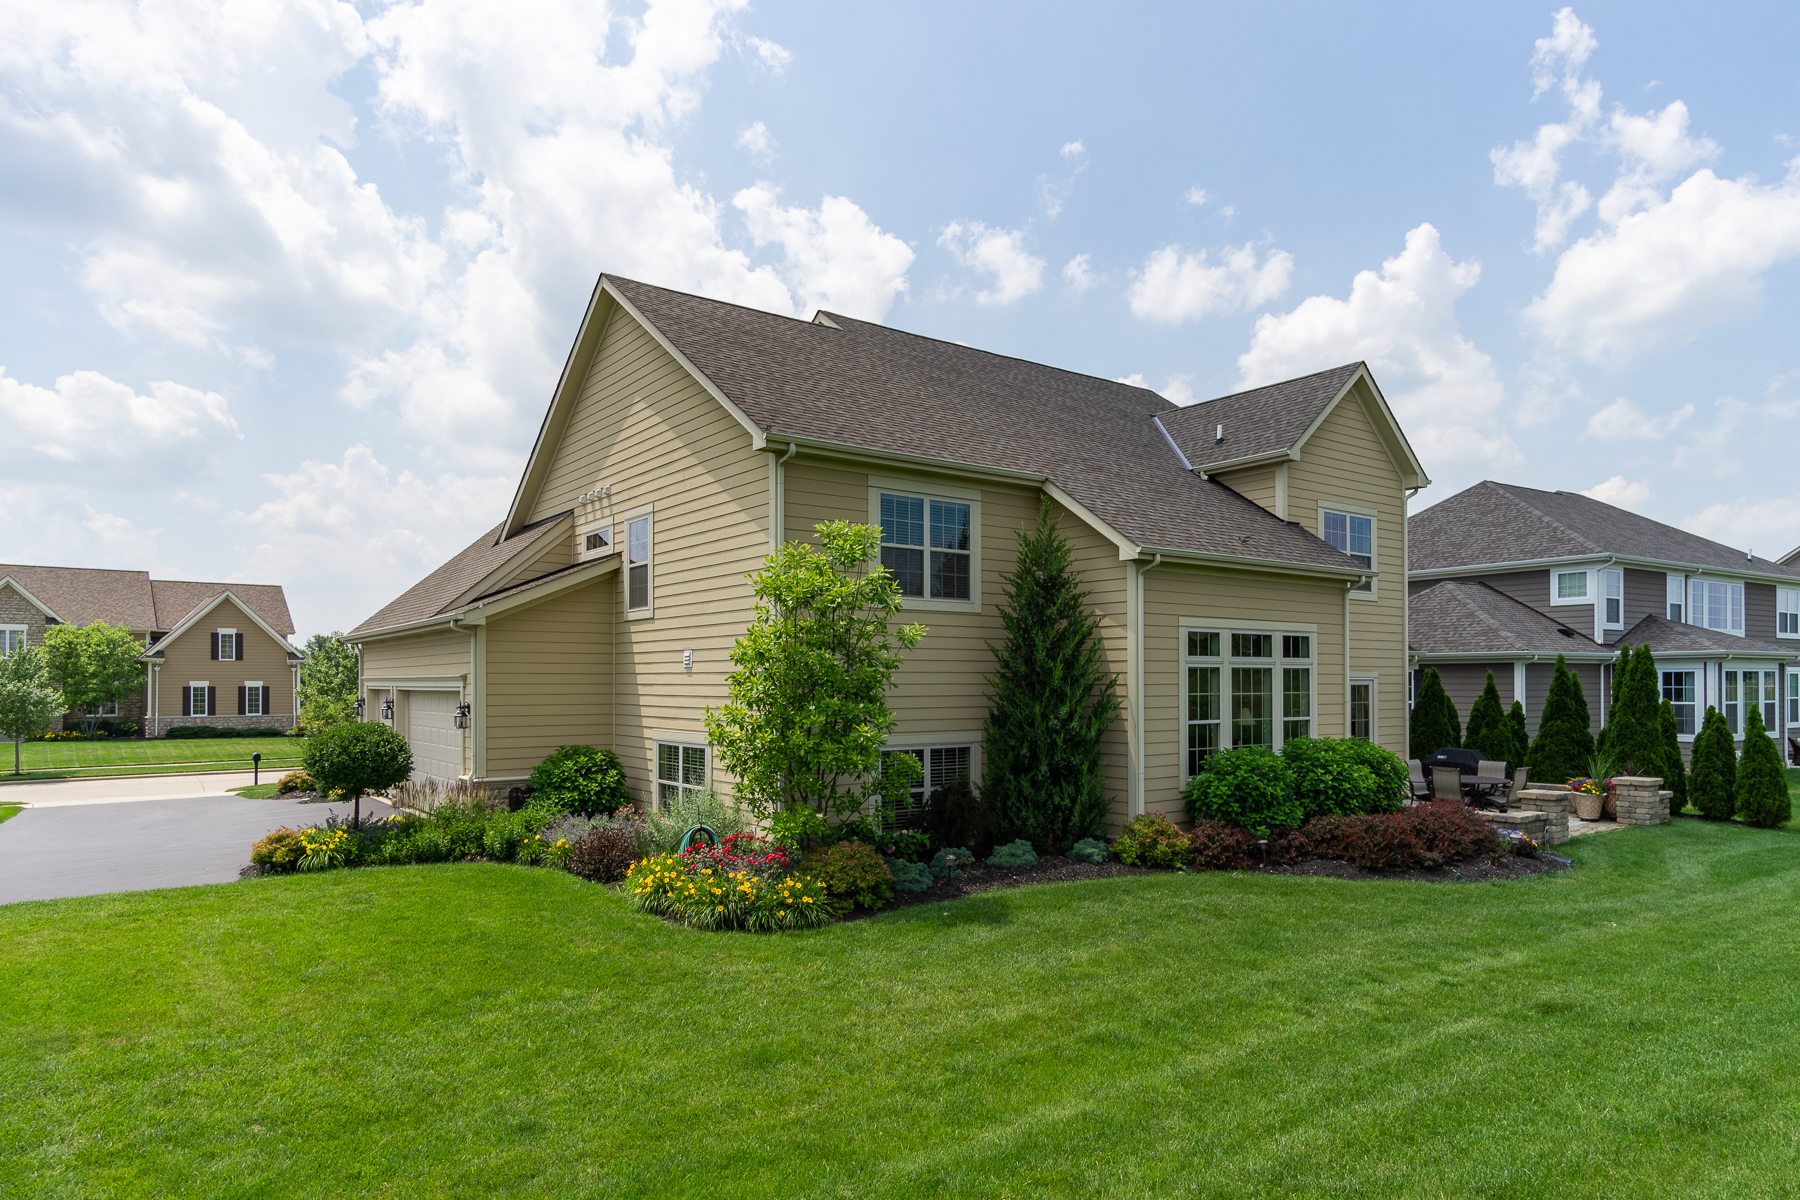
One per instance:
[(1675, 778), (1636, 723), (1762, 791), (1487, 731), (1621, 674), (1052, 700), (1712, 781), (1564, 742), (1521, 740), (1434, 720)]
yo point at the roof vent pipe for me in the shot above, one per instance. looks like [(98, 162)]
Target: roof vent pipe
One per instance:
[(1219, 437)]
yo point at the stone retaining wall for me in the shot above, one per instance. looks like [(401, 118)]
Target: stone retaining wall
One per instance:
[(1534, 825), (1554, 804), (1641, 800), (162, 725)]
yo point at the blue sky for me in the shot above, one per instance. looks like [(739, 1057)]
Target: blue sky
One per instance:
[(287, 287)]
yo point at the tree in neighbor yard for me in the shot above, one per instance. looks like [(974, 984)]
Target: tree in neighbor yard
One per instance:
[(1762, 791), (1487, 731), (94, 665), (1434, 720), (1676, 779), (1564, 742), (807, 714), (328, 682), (1712, 780), (1052, 700), (1515, 724), (358, 758), (29, 700)]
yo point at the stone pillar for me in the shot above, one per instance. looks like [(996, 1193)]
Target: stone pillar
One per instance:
[(1641, 800), (1554, 804)]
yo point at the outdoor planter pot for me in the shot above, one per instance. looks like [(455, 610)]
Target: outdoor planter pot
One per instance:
[(1589, 806)]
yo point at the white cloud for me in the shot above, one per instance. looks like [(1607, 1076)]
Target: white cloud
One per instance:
[(1402, 322), (1073, 149), (1195, 196), (1766, 525), (1622, 421), (1175, 287), (774, 58), (1177, 389), (836, 257), (999, 254), (1621, 493), (757, 139), (93, 424), (1078, 275)]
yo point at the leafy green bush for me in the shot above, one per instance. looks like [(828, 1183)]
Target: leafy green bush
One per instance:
[(359, 758), (1762, 791), (295, 781), (904, 843), (278, 851), (583, 779), (1151, 840), (185, 732), (1013, 856), (950, 862), (1344, 775), (1251, 786), (1088, 850), (909, 876), (1712, 780), (797, 826), (852, 873)]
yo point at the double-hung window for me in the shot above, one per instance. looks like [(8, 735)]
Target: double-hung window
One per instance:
[(1612, 589), (225, 645), (637, 566), (1354, 534), (1793, 697), (938, 765), (253, 698), (927, 544), (1787, 612), (680, 771), (1678, 690), (1733, 702), (12, 637), (1245, 688), (1717, 606), (1676, 591), (196, 699)]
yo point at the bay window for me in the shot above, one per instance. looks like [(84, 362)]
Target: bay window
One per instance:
[(1231, 682)]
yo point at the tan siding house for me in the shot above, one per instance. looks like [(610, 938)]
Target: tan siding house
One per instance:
[(687, 438)]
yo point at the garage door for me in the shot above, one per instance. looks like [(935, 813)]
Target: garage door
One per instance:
[(431, 729)]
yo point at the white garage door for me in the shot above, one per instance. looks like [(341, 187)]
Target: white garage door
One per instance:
[(431, 729)]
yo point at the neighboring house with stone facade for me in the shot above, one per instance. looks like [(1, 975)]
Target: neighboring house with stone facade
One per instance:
[(216, 653), (1504, 578), (1246, 555)]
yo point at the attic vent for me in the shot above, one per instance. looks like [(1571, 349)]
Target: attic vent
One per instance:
[(1219, 437)]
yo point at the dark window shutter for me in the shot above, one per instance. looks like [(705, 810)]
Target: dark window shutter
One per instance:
[(215, 644), (265, 699), (240, 699), (212, 701), (187, 702)]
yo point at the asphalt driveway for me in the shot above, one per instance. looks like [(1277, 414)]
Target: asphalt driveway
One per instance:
[(85, 848)]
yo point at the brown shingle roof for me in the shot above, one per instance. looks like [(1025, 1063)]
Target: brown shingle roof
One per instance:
[(1668, 637), (436, 594), (83, 595), (865, 385), (1454, 617), (1264, 420), (1502, 522)]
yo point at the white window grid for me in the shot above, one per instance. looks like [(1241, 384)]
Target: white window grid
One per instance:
[(1234, 681), (12, 637), (228, 645), (1354, 534), (680, 771), (927, 544), (1793, 697), (1612, 588), (1679, 690), (253, 698), (640, 555), (1787, 612), (1571, 587), (1676, 595), (1362, 709), (1717, 605), (197, 706), (938, 765)]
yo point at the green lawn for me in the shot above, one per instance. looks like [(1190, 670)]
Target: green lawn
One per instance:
[(1626, 1029), (57, 760), (8, 811)]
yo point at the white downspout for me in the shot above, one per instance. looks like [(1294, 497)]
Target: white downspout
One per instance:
[(778, 515), (1348, 588), (1135, 802)]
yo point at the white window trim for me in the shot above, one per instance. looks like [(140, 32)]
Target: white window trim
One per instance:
[(1676, 584), (256, 686), (236, 645), (1743, 606), (1355, 510), (100, 712), (1557, 600), (1600, 578), (656, 779), (1698, 671), (969, 741), (1373, 679), (929, 491), (1225, 629), (24, 632), (648, 513), (199, 686), (1795, 593), (581, 535)]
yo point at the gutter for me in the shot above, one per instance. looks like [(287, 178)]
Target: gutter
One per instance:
[(1667, 566)]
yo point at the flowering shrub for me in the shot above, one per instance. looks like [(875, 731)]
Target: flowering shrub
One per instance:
[(539, 851), (322, 849), (707, 898), (1220, 845), (1152, 840), (853, 875), (750, 853)]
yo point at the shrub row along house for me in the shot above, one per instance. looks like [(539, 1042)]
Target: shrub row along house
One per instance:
[(1505, 578), (216, 653), (1246, 555)]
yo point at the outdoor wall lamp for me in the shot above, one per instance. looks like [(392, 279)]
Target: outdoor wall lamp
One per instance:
[(359, 708), (387, 709), (462, 716)]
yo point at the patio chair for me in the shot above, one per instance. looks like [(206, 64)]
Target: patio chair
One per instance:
[(1446, 783), (1518, 784), (1794, 751), (1420, 789)]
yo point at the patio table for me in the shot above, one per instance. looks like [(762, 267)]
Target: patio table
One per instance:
[(1484, 785)]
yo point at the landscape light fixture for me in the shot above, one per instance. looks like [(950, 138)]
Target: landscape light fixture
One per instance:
[(387, 709)]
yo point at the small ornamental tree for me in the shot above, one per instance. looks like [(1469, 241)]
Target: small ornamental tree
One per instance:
[(358, 758), (1051, 700), (29, 701), (808, 715), (1762, 791), (1676, 778), (328, 682), (94, 665), (1712, 780), (1487, 732), (1521, 740), (1434, 720), (1564, 742)]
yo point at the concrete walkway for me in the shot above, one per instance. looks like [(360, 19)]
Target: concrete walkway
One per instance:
[(55, 793), (85, 846)]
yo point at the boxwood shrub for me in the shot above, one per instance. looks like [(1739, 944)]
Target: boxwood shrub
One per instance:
[(1250, 786), (581, 779), (1344, 775)]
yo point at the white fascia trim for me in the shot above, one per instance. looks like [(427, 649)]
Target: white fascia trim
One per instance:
[(199, 614), (1423, 657), (424, 625), (1249, 460), (778, 443), (26, 592), (422, 683), (757, 436), (486, 610), (1419, 479), (1128, 549), (1266, 565)]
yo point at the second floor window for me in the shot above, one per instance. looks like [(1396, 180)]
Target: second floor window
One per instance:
[(1612, 586), (637, 563), (12, 637), (1787, 612), (928, 545), (1676, 599), (1571, 586), (1355, 536), (225, 645), (1717, 606)]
